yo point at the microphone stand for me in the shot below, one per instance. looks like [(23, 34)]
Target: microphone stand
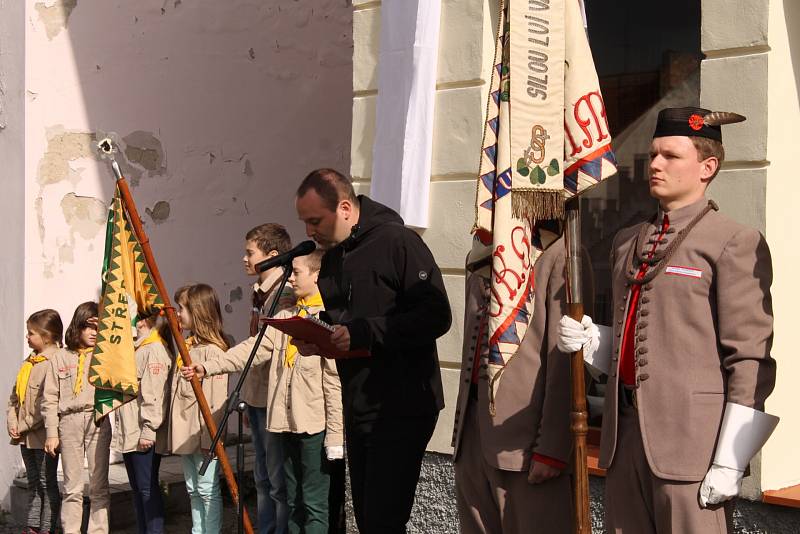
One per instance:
[(234, 403)]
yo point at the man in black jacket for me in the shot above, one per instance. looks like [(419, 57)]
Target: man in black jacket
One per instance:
[(385, 293)]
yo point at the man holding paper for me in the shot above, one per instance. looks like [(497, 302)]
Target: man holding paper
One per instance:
[(385, 293)]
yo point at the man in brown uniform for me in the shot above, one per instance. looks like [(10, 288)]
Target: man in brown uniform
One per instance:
[(690, 364), (510, 452)]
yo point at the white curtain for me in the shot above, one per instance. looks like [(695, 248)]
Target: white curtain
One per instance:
[(401, 166)]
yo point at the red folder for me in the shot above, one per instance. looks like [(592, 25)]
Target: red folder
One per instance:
[(313, 330)]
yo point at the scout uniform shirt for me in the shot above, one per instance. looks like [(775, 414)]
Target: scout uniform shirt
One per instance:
[(701, 336), (188, 433), (27, 416), (66, 387), (304, 397), (254, 389), (144, 417)]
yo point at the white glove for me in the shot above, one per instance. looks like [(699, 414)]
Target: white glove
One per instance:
[(742, 434), (719, 485), (574, 335), (594, 339), (334, 452)]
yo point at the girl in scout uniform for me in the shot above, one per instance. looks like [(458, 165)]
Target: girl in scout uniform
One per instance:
[(141, 423), (25, 422), (304, 403), (68, 407), (199, 313)]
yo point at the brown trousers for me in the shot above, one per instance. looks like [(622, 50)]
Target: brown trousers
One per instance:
[(80, 437), (638, 502), (492, 501)]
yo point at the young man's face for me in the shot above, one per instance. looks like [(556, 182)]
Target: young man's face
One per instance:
[(303, 279), (676, 177), (253, 255), (328, 228)]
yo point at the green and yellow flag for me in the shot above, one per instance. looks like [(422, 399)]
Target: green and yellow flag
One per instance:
[(128, 291)]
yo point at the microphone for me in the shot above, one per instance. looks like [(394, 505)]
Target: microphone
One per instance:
[(303, 249)]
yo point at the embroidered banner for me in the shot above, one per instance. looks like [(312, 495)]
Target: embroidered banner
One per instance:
[(546, 139)]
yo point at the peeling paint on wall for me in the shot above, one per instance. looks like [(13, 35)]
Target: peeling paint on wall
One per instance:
[(63, 147), (55, 16), (144, 150), (85, 216), (235, 294), (160, 211)]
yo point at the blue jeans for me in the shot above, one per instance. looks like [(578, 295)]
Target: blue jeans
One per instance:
[(204, 494), (268, 473), (142, 470)]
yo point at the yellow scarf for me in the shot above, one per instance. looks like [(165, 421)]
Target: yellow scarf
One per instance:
[(81, 363), (152, 337), (25, 374), (178, 359), (303, 306)]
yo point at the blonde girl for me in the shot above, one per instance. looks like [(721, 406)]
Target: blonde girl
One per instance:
[(199, 313), (25, 421), (141, 424), (68, 407)]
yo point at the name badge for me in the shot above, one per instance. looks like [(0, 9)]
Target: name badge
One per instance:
[(684, 271)]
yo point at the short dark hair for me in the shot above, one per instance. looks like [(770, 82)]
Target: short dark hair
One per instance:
[(47, 323), (269, 237), (79, 321), (332, 187)]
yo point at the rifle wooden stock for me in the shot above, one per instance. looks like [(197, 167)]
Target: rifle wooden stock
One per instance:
[(579, 416)]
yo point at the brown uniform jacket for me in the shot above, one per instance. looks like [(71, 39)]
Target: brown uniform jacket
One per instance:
[(144, 417), (532, 401), (188, 432), (28, 419), (59, 393), (304, 398), (703, 338), (254, 389)]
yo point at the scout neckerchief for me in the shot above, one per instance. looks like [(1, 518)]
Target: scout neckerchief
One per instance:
[(25, 374), (189, 341), (82, 353), (152, 337), (304, 306)]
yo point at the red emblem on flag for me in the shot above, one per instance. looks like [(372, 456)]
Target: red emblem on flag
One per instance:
[(696, 122)]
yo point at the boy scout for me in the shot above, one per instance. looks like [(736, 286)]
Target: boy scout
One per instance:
[(690, 367)]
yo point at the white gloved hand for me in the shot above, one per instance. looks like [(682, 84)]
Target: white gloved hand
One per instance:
[(719, 485), (593, 339), (334, 452), (574, 335)]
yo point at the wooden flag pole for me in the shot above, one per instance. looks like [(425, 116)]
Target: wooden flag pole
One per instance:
[(579, 415), (172, 318)]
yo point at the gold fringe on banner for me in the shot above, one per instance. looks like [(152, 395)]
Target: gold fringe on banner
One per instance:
[(537, 204)]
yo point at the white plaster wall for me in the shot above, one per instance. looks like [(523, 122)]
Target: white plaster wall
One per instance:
[(12, 136), (466, 50), (225, 106), (780, 466)]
